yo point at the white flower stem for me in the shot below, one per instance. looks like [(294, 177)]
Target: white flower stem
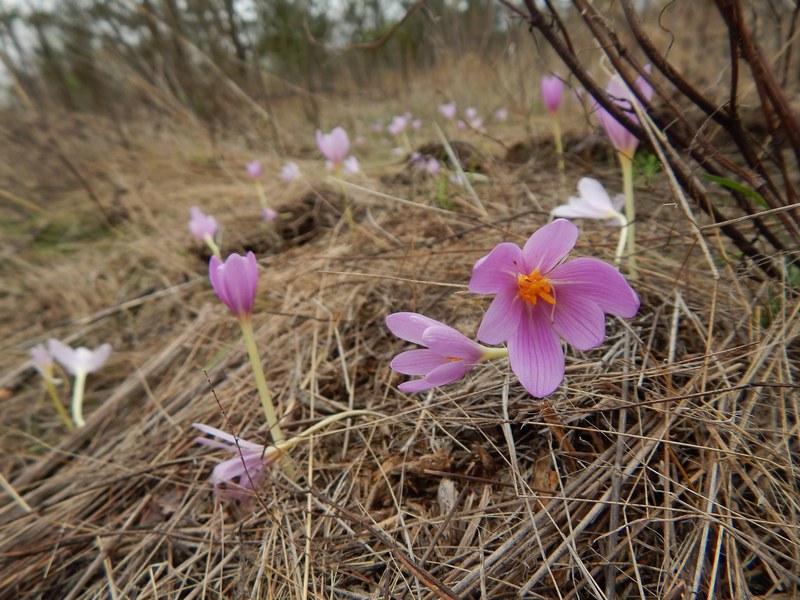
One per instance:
[(77, 398), (559, 146), (494, 353), (623, 237), (213, 246), (62, 412), (306, 433), (626, 163), (261, 382)]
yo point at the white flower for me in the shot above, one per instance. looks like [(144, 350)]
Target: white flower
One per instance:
[(290, 171), (593, 203), (350, 166), (78, 360)]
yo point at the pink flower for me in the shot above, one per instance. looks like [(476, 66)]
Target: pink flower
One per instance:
[(447, 357), (201, 225), (398, 125), (622, 139), (448, 110), (78, 361), (433, 167), (461, 125), (236, 282), (541, 299), (552, 89), (42, 361), (254, 169), (269, 215), (290, 171), (501, 114), (593, 203), (351, 166), (248, 464), (334, 145), (471, 113)]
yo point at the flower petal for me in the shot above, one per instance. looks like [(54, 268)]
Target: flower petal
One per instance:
[(548, 245), (410, 326), (448, 373), (502, 317), (448, 342), (63, 354), (597, 281), (579, 320), (536, 356), (417, 362), (98, 357), (497, 270)]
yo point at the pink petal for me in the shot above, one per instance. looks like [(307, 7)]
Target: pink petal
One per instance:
[(98, 357), (410, 326), (417, 362), (597, 281), (446, 341), (502, 318), (63, 354), (416, 385), (580, 321), (548, 245), (497, 270), (448, 373), (536, 357)]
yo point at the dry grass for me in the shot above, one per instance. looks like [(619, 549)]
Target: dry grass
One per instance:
[(665, 464)]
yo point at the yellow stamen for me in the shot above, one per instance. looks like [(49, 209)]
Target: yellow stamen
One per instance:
[(535, 286)]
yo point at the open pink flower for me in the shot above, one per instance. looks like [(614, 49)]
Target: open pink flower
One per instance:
[(235, 281), (334, 145), (622, 139), (201, 225), (552, 90), (398, 125), (247, 466), (541, 299), (447, 357)]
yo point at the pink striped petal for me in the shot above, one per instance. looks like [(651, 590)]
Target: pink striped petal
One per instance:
[(536, 356), (597, 281), (417, 362), (548, 245), (410, 326), (497, 270), (579, 321), (446, 341), (502, 318)]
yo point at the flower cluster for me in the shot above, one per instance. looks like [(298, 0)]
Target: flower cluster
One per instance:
[(540, 299)]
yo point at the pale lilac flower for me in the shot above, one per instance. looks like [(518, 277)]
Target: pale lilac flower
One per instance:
[(433, 167), (593, 203), (501, 114), (541, 299), (334, 145), (461, 125), (622, 139), (398, 125), (290, 171), (552, 89), (80, 360), (351, 166), (476, 123), (270, 215), (416, 124), (471, 113), (42, 361), (247, 465), (447, 357), (201, 225), (236, 282), (254, 169), (448, 110)]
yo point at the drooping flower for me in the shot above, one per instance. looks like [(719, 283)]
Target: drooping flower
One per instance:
[(254, 169), (541, 299), (78, 360), (552, 89), (290, 171), (592, 203), (334, 145), (236, 282), (247, 466), (350, 166), (447, 357), (448, 110), (201, 225), (622, 139), (270, 215)]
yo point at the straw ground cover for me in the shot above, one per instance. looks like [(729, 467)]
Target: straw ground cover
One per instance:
[(664, 465)]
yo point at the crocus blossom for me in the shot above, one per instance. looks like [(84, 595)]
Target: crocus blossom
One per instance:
[(593, 203), (541, 299), (42, 361), (471, 113), (501, 114), (254, 169), (290, 171), (236, 282), (398, 125), (447, 357), (78, 360), (334, 145), (270, 215), (201, 225), (448, 110), (552, 89), (350, 166), (622, 139), (247, 466)]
